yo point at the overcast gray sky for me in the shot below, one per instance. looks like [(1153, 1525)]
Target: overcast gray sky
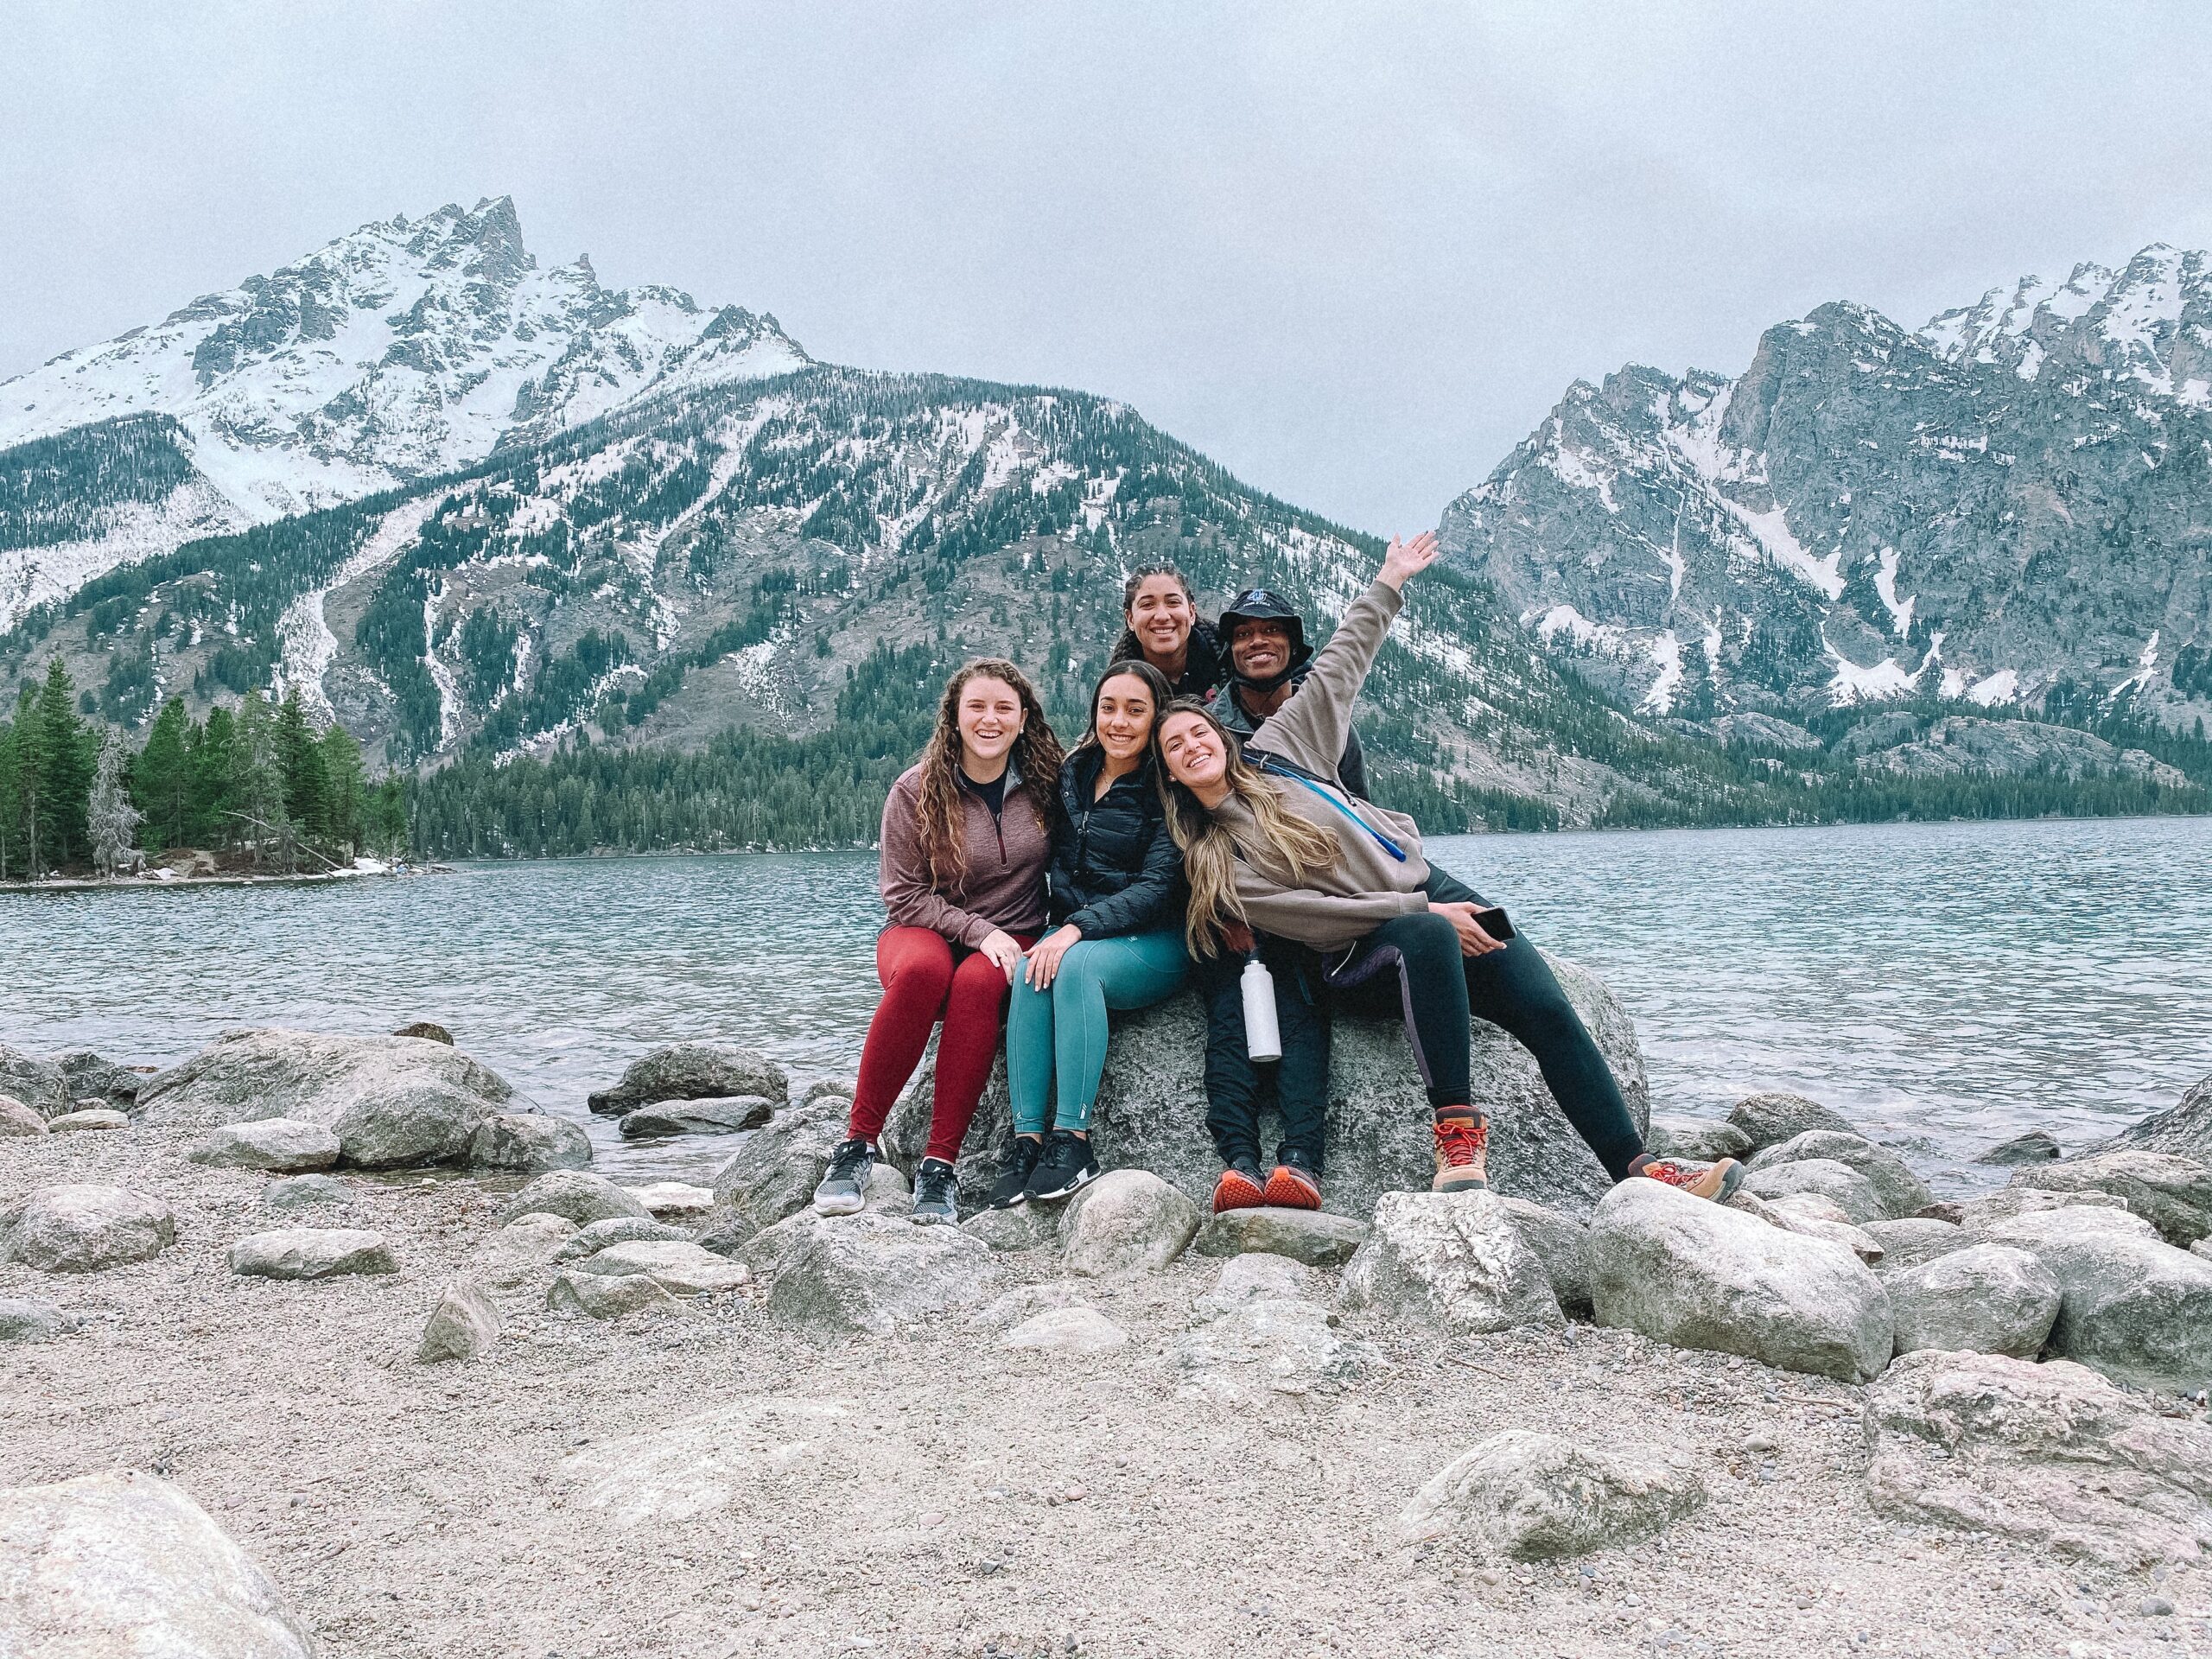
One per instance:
[(1354, 251)]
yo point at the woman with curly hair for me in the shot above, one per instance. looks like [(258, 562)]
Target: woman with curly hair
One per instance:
[(966, 838)]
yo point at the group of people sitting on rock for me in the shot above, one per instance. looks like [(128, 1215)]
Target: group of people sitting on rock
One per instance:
[(1215, 812)]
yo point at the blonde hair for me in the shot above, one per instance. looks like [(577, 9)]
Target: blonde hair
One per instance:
[(1036, 756), (1210, 846)]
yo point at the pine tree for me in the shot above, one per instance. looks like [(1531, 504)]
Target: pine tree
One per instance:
[(256, 783), (111, 821), (28, 737), (65, 766), (390, 814), (208, 821), (11, 802), (161, 781), (300, 764), (346, 789)]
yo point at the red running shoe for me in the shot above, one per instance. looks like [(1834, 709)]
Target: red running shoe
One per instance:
[(1239, 1187), (1293, 1185)]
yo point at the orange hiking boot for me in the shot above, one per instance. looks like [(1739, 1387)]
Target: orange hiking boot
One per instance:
[(1293, 1185), (1462, 1146), (1717, 1180), (1239, 1187)]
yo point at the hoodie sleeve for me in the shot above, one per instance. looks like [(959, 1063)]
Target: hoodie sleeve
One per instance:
[(1326, 921), (1310, 730), (908, 896)]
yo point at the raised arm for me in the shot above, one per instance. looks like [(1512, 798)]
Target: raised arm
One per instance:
[(1309, 731)]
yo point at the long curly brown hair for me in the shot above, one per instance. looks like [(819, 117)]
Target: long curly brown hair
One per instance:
[(1036, 758)]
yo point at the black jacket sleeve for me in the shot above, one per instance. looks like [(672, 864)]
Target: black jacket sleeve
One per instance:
[(1352, 770), (1147, 903)]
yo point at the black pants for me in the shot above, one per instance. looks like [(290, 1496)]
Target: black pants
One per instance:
[(1297, 1086), (1411, 969)]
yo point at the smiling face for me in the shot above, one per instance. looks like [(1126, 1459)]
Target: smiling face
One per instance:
[(1195, 753), (1260, 649), (990, 719), (1122, 717), (1160, 616)]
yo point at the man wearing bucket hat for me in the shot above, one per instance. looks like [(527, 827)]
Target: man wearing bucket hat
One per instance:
[(1268, 657)]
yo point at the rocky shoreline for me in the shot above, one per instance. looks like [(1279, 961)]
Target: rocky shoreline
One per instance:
[(327, 1350)]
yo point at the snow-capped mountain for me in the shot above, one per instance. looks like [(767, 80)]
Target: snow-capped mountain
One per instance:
[(2014, 496), (409, 348)]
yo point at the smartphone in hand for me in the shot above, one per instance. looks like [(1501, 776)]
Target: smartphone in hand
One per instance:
[(1494, 922)]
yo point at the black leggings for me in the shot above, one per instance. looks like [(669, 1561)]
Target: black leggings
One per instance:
[(1412, 967)]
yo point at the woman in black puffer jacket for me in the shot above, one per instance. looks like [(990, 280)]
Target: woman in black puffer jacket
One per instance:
[(1115, 907)]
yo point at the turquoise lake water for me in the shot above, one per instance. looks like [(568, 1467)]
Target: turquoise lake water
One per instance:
[(1945, 985)]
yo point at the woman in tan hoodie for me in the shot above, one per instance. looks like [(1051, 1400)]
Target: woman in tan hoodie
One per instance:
[(1273, 842)]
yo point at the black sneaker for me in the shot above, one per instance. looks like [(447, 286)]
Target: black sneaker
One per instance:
[(839, 1194), (1067, 1164), (937, 1203), (1016, 1159)]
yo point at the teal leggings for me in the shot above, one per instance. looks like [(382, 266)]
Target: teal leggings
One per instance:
[(1062, 1032)]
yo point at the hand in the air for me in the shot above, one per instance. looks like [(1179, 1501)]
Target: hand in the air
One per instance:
[(1406, 559)]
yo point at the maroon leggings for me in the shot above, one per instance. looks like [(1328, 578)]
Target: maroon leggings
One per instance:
[(926, 978)]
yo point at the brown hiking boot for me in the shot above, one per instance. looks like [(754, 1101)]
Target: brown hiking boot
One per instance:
[(1462, 1144), (1717, 1180)]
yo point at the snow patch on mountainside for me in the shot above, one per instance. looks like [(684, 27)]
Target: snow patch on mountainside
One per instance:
[(31, 577)]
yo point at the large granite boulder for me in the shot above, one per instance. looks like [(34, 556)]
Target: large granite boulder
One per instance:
[(1912, 1240), (2130, 1304), (2171, 1191), (2185, 1128), (83, 1227), (1699, 1139), (774, 1173), (1850, 1192), (1456, 1263), (1770, 1119), (575, 1195), (1313, 1236), (39, 1084), (1900, 1191), (306, 1253), (392, 1101), (701, 1071), (126, 1564), (528, 1142), (1696, 1275), (1127, 1221), (463, 1325), (1521, 1496), (712, 1114), (876, 1274), (1987, 1299), (2053, 1454), (282, 1146), (18, 1120), (89, 1078), (1151, 1108)]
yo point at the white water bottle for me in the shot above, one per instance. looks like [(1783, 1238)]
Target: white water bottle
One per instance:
[(1262, 1037)]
